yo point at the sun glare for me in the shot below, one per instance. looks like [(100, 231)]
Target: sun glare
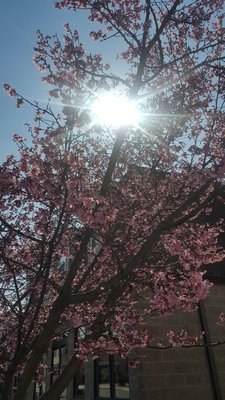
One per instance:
[(115, 111)]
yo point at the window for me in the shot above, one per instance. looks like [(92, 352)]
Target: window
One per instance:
[(59, 360), (111, 380), (38, 390), (79, 379), (79, 386), (39, 385)]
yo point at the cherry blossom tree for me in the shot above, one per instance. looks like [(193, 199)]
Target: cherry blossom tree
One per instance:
[(121, 203)]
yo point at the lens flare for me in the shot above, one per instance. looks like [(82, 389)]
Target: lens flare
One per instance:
[(115, 111)]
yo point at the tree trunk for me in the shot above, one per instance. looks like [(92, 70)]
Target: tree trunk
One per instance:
[(48, 331), (6, 386), (6, 390), (40, 347)]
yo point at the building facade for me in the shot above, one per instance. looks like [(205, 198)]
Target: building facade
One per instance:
[(192, 373)]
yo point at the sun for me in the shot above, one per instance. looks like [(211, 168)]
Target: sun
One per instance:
[(115, 111)]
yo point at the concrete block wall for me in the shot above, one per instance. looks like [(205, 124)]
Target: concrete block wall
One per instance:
[(171, 375), (182, 373), (214, 305)]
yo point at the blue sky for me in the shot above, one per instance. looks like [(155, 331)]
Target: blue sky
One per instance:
[(19, 21)]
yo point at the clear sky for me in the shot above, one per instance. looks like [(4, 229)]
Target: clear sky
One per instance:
[(19, 21)]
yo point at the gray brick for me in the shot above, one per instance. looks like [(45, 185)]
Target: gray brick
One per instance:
[(174, 381), (164, 368), (183, 367)]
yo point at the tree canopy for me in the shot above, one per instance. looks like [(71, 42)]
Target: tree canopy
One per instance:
[(120, 204)]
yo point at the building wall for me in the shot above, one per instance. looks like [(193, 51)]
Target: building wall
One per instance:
[(184, 373), (214, 305), (172, 374)]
